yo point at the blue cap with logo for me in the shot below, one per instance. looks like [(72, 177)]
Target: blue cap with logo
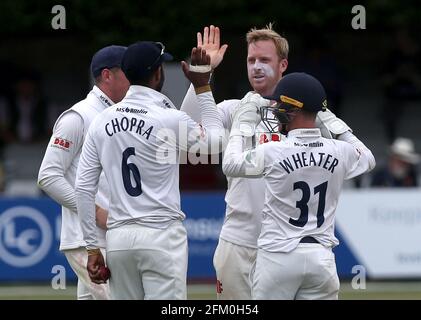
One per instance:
[(142, 58), (107, 58), (300, 90)]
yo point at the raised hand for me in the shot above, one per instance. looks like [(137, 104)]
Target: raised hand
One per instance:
[(198, 72), (210, 41)]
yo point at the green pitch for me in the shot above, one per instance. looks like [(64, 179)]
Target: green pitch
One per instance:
[(373, 291)]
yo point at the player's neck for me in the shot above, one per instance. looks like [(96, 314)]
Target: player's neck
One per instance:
[(301, 124)]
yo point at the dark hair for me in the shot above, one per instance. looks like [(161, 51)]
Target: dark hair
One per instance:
[(141, 81), (309, 113)]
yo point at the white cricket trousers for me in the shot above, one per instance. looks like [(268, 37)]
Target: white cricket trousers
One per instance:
[(306, 273), (86, 289), (233, 265), (148, 263)]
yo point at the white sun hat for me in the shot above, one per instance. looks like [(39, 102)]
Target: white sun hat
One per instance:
[(405, 150)]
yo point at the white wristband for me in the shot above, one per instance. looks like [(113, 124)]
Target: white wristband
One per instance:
[(200, 69)]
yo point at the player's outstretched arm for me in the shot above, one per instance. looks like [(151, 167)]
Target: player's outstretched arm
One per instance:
[(361, 159), (333, 127)]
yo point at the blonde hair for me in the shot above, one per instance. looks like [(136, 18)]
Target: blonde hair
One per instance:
[(267, 33)]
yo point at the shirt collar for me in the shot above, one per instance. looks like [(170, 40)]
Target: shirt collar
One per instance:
[(102, 97), (141, 92), (304, 133)]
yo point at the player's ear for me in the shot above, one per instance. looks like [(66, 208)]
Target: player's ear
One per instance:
[(157, 79), (106, 74), (157, 75), (283, 65)]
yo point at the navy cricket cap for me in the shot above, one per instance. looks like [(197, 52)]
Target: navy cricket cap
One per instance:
[(302, 91), (108, 57), (142, 58)]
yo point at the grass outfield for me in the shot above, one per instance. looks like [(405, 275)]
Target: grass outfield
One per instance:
[(373, 291)]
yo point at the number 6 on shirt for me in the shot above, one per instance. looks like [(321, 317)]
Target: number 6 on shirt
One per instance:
[(126, 168)]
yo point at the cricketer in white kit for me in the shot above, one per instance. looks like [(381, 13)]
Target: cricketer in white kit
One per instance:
[(137, 143), (57, 173), (237, 247), (303, 176)]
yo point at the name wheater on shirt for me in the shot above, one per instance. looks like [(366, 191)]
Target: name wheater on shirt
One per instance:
[(309, 159)]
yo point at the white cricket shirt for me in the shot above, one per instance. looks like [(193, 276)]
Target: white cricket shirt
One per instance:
[(136, 143), (57, 173), (303, 177), (244, 197)]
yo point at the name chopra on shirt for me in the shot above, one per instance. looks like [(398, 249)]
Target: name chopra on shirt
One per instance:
[(123, 124)]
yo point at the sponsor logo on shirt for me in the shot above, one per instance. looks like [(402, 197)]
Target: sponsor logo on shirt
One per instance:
[(265, 138), (311, 144), (105, 100), (132, 110), (61, 143), (166, 104)]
